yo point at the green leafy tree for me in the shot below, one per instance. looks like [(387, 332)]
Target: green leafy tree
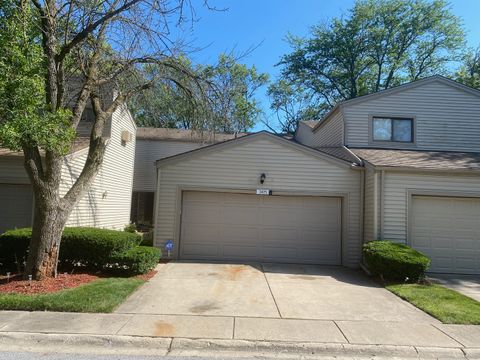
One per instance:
[(57, 59), (230, 104), (469, 71), (291, 104), (171, 104), (376, 45), (234, 106)]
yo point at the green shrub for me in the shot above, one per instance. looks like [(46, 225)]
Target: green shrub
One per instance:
[(147, 239), (94, 247), (137, 260), (90, 247), (394, 261), (131, 228), (13, 248)]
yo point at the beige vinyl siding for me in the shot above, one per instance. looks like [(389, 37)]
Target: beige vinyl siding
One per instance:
[(149, 151), (399, 187), (304, 134), (107, 203), (329, 134), (447, 118), (370, 213), (238, 167)]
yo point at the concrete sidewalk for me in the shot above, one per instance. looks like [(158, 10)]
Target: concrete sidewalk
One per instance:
[(458, 339)]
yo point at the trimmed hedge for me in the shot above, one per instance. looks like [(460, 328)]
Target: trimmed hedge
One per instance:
[(138, 260), (394, 261), (90, 247), (95, 247), (14, 247)]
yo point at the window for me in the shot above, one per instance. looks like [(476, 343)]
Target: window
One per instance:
[(392, 129)]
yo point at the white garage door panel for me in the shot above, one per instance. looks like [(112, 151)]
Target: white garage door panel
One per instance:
[(226, 226), (447, 230), (16, 206)]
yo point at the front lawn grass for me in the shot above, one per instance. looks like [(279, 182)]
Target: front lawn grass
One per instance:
[(99, 296), (448, 306)]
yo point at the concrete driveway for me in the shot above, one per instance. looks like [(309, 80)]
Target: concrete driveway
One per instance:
[(269, 291)]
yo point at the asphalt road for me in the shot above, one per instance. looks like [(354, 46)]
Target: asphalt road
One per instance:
[(53, 356), (56, 356)]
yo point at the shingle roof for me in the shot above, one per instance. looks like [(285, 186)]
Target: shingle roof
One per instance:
[(148, 133), (78, 144), (416, 159), (341, 152)]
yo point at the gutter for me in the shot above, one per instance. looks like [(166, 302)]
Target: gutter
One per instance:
[(417, 170)]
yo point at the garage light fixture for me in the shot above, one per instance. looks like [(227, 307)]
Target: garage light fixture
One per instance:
[(262, 178)]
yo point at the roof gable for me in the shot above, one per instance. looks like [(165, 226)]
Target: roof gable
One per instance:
[(400, 88), (249, 138)]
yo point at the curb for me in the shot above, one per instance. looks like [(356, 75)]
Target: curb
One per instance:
[(155, 346)]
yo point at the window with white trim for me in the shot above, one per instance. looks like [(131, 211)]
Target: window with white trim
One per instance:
[(392, 129)]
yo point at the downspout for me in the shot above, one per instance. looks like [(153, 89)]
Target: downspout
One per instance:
[(382, 203)]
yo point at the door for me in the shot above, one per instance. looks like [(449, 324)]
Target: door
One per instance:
[(447, 229), (16, 206), (244, 227)]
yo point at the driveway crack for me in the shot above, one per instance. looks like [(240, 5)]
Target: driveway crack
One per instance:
[(271, 293)]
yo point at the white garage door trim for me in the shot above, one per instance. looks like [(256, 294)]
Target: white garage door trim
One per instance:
[(344, 197), (434, 194)]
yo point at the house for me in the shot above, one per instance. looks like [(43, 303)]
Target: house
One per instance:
[(107, 202), (402, 164)]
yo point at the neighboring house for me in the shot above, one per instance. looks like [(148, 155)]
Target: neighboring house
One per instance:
[(402, 164), (107, 202), (157, 143)]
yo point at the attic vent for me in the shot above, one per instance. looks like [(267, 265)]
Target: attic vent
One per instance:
[(126, 136)]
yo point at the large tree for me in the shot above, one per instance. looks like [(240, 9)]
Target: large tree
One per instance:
[(58, 58), (376, 45), (231, 104), (291, 104), (469, 71)]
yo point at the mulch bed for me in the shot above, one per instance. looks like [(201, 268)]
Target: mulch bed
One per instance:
[(147, 276), (18, 285)]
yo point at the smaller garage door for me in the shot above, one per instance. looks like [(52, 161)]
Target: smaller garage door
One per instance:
[(16, 206), (447, 229), (244, 227)]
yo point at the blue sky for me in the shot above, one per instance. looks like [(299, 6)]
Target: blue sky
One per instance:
[(249, 23)]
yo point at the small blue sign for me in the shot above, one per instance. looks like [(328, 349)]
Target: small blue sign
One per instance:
[(169, 245)]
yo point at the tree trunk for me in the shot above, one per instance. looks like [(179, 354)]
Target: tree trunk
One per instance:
[(49, 222)]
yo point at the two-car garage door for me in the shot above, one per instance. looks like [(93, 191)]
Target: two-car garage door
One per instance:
[(247, 227), (447, 229)]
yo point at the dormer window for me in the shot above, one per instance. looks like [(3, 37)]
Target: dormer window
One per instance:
[(392, 129)]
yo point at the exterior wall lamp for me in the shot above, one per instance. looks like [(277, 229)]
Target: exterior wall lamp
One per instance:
[(262, 178)]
